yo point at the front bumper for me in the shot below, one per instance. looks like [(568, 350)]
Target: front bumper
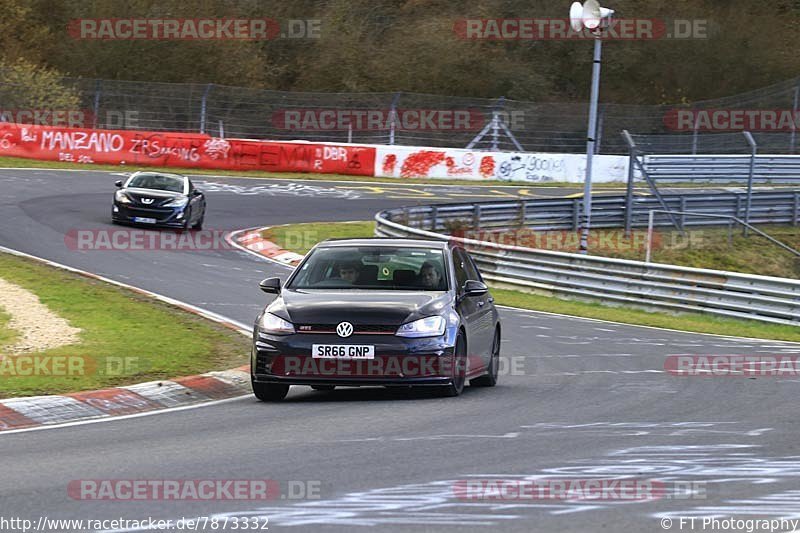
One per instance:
[(172, 217), (398, 361)]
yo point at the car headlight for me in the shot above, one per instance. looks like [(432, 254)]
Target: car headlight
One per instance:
[(275, 325), (432, 326), (121, 197), (177, 202)]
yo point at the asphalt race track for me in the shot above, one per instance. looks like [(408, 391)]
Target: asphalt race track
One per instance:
[(585, 400)]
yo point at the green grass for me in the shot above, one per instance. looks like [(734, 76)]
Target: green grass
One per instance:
[(300, 238), (304, 234), (160, 341), (698, 248)]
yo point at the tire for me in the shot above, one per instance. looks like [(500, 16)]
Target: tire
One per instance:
[(456, 385), (270, 392), (199, 224), (323, 387), (489, 379), (186, 220)]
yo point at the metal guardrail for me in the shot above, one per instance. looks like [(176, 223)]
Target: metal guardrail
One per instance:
[(725, 168), (616, 281), (607, 211)]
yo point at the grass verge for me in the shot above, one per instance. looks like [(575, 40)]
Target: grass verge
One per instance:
[(127, 338), (296, 238)]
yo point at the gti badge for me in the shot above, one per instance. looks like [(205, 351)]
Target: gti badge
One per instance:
[(344, 329)]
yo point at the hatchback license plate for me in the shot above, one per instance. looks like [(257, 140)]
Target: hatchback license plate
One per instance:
[(144, 220), (342, 351)]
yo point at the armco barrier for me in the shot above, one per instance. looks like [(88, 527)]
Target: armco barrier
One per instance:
[(724, 168), (187, 150), (607, 211), (617, 281)]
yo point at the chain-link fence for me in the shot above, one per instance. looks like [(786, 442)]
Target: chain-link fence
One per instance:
[(492, 123)]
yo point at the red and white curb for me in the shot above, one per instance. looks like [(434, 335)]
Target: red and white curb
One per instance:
[(19, 413), (130, 400), (251, 241)]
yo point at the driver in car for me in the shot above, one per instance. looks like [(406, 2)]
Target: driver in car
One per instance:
[(429, 276), (349, 272)]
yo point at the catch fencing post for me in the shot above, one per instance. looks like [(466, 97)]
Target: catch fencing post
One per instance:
[(393, 118), (96, 108), (203, 108), (753, 151), (793, 136), (629, 188)]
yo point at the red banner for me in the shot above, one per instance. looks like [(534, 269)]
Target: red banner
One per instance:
[(188, 150)]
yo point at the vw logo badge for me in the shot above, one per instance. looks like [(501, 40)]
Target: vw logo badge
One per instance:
[(344, 329)]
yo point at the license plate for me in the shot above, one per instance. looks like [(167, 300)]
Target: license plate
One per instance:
[(339, 351), (144, 220)]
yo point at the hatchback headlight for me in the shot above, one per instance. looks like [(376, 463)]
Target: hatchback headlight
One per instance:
[(432, 326), (177, 202), (275, 325), (121, 197)]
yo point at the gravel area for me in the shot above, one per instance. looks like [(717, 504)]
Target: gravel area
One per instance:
[(39, 328)]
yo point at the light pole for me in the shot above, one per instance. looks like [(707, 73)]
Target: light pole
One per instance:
[(594, 18)]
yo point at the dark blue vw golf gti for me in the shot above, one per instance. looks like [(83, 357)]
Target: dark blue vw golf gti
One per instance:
[(377, 312)]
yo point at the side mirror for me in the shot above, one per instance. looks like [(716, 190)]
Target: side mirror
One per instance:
[(271, 285), (118, 183), (195, 192), (475, 288)]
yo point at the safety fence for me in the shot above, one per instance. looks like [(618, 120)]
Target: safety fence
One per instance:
[(541, 126)]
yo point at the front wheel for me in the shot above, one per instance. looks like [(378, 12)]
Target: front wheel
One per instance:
[(456, 385), (270, 392)]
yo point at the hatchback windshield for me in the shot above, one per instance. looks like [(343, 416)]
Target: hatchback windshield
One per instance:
[(159, 182), (373, 267)]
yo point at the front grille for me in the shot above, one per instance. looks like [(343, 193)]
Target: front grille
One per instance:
[(158, 214), (157, 201), (358, 329)]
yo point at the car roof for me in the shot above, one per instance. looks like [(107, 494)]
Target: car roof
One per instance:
[(379, 241), (156, 173)]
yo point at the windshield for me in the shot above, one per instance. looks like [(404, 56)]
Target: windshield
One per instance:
[(159, 182), (374, 267)]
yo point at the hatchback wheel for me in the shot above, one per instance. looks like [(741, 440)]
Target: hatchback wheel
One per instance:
[(456, 385), (270, 392)]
